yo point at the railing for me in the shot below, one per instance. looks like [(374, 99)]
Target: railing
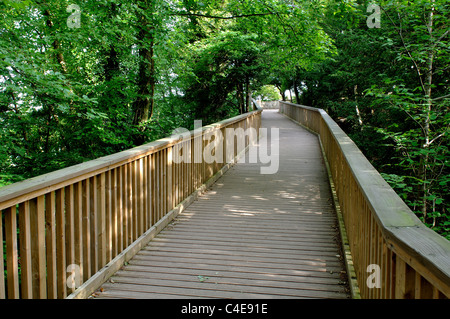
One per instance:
[(59, 231), (393, 253)]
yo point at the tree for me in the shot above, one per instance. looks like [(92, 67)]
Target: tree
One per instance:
[(387, 87)]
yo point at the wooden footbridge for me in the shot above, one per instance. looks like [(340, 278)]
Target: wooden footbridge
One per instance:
[(269, 204)]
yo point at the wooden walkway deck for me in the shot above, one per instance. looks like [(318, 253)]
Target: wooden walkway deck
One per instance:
[(250, 236)]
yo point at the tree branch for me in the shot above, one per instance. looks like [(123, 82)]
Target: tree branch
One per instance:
[(220, 17), (399, 31), (441, 97)]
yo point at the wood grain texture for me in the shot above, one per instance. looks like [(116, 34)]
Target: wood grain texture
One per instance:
[(249, 236)]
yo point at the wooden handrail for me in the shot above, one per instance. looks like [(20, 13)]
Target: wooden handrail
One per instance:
[(387, 241), (64, 226)]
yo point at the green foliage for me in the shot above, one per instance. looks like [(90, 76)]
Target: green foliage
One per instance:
[(268, 93), (388, 89), (72, 94)]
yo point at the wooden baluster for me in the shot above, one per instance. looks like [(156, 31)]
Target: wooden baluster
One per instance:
[(158, 183), (170, 180), (60, 244), (101, 219), (93, 206), (50, 243), (140, 202), (108, 216), (423, 289), (11, 252), (134, 198), (114, 211), (125, 213), (153, 194), (70, 230), (37, 210), (145, 224), (164, 183), (25, 250), (86, 226), (78, 228), (150, 187), (405, 280), (119, 210), (129, 203), (176, 150)]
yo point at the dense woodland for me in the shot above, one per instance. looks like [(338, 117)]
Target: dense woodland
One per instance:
[(83, 79)]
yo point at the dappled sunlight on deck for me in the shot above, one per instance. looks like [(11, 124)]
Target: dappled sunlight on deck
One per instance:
[(249, 235)]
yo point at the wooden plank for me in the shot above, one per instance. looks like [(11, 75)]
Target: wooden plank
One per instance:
[(38, 248), (140, 199), (148, 191), (129, 204), (119, 210), (78, 227), (158, 177), (50, 245), (86, 225), (108, 216), (68, 216), (234, 251), (60, 243), (101, 220), (163, 185), (93, 220), (423, 289), (145, 222), (153, 193), (216, 287), (134, 199), (170, 204), (405, 280), (113, 237), (25, 248), (124, 206), (276, 234), (11, 252), (254, 243), (268, 260), (229, 276), (157, 242)]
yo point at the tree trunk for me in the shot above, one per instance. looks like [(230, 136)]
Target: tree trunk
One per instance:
[(427, 84), (144, 103), (56, 45), (249, 94), (240, 96), (358, 114), (296, 92), (282, 93)]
